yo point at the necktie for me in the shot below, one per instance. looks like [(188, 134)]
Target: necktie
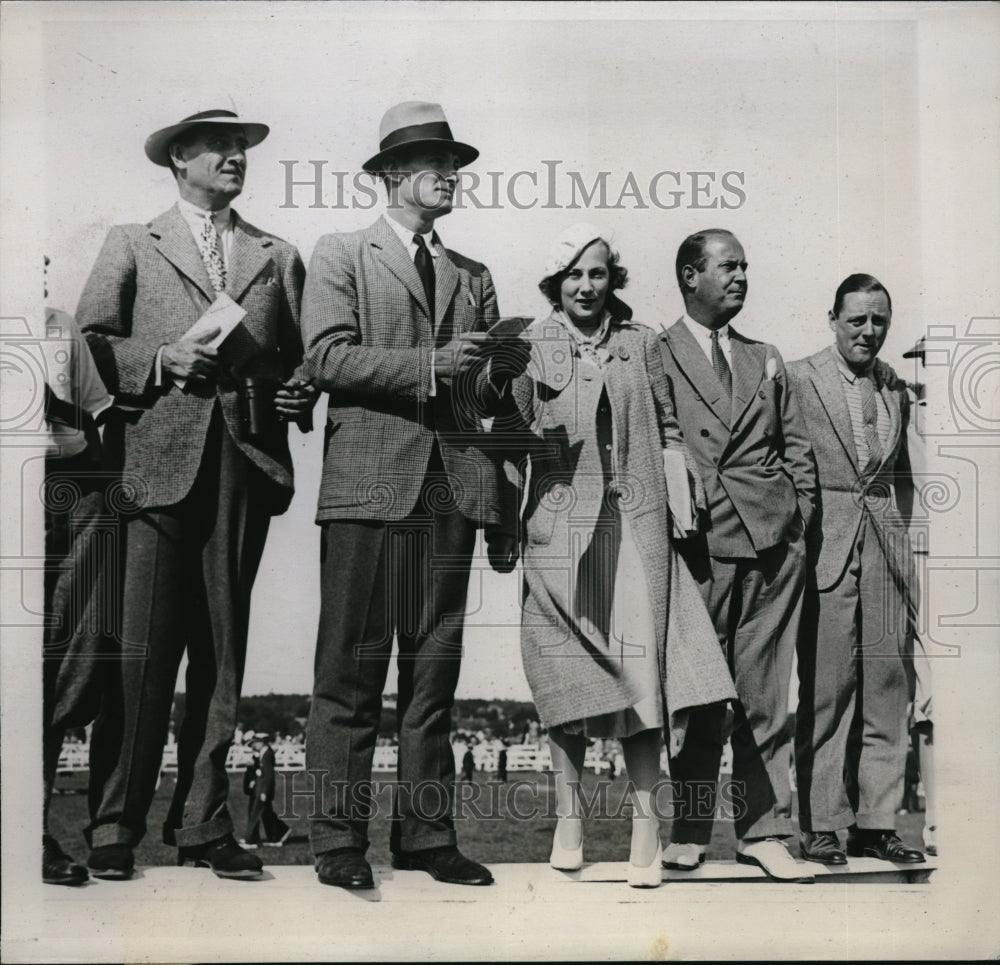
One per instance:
[(425, 269), (721, 366), (869, 415), (208, 244)]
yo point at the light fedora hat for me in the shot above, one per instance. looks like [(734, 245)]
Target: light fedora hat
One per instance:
[(416, 124), (158, 143)]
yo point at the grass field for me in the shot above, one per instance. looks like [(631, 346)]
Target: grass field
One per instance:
[(495, 822)]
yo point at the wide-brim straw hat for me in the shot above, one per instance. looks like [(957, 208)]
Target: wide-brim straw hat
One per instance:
[(158, 143)]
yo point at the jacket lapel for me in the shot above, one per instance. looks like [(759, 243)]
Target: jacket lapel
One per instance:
[(445, 283), (396, 258), (176, 243), (249, 258), (748, 370), (694, 365), (827, 381), (891, 400)]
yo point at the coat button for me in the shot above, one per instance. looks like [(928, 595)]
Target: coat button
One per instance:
[(697, 398), (761, 394), (623, 353), (607, 446), (704, 433)]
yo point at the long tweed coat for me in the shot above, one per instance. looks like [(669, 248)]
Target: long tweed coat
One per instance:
[(369, 336), (568, 681), (147, 288)]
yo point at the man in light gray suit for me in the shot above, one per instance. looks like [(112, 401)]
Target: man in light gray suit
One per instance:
[(207, 456), (851, 724)]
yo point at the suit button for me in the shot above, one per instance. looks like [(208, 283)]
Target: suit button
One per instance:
[(697, 398), (623, 354), (704, 433), (761, 394), (607, 446)]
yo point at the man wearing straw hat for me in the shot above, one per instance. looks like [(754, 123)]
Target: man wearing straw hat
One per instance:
[(393, 325), (195, 317)]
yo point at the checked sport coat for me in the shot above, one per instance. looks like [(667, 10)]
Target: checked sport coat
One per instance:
[(368, 336), (147, 288)]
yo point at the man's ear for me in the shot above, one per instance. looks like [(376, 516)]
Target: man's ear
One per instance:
[(688, 275), (833, 320), (176, 151)]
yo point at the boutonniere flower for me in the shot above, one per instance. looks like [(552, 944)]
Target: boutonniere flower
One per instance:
[(771, 369)]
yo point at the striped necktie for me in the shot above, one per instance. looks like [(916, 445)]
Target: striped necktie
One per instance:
[(721, 366), (869, 416)]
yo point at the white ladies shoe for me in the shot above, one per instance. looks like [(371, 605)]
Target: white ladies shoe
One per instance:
[(646, 876), (683, 857), (563, 858)]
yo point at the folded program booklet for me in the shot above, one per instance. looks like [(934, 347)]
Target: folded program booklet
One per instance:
[(223, 314), (509, 327), (679, 496)]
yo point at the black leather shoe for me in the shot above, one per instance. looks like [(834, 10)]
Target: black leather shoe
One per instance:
[(821, 846), (225, 857), (345, 868), (884, 845), (112, 862), (443, 864), (58, 868)]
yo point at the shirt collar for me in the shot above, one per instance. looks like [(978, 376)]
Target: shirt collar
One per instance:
[(406, 236), (700, 331), (196, 216), (847, 372)]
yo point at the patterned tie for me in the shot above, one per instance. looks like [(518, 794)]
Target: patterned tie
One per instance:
[(721, 366), (425, 269), (208, 244), (869, 415)]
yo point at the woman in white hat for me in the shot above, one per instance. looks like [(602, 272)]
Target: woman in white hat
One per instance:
[(615, 638)]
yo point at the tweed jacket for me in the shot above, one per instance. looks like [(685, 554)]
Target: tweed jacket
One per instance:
[(368, 336), (561, 501), (847, 494), (755, 459), (148, 286)]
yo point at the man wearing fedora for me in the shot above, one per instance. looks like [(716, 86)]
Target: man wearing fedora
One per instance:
[(390, 320), (208, 462)]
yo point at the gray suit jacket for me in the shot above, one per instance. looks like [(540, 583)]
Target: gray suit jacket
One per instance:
[(755, 458), (148, 286), (369, 335), (846, 493)]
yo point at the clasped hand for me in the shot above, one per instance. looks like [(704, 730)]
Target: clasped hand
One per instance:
[(459, 356), (295, 398)]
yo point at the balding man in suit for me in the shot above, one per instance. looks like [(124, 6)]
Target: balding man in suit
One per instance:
[(851, 725), (745, 431), (208, 455)]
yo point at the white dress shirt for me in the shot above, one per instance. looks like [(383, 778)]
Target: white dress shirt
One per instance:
[(703, 336), (223, 220)]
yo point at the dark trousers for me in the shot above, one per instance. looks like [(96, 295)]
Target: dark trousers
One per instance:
[(756, 607), (261, 818), (190, 571), (84, 562), (851, 726), (410, 579)]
